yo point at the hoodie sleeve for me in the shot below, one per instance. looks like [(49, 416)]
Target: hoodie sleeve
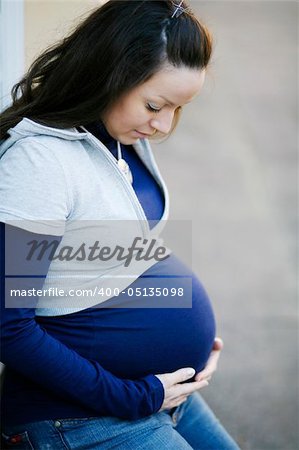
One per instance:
[(33, 188), (29, 350)]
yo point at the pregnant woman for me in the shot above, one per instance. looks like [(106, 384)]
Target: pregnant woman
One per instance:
[(110, 372)]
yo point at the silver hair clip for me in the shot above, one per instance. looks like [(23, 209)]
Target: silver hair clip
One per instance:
[(179, 9)]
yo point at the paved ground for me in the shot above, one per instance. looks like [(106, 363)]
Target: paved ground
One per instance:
[(231, 168)]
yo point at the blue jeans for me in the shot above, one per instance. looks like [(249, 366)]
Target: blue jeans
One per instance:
[(192, 425)]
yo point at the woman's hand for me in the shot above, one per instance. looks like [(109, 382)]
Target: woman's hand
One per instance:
[(211, 366), (176, 393)]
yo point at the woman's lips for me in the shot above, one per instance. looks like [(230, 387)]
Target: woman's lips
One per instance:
[(140, 134)]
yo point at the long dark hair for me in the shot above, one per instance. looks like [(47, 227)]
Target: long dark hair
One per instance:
[(119, 46)]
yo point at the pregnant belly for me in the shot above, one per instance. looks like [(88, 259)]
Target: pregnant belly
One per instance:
[(133, 342)]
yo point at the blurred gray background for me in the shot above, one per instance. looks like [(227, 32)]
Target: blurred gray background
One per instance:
[(231, 167)]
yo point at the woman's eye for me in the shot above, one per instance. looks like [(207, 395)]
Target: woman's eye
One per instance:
[(152, 108)]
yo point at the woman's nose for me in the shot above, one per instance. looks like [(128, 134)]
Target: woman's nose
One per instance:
[(163, 123)]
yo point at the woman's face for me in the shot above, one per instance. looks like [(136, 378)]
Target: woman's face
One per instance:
[(151, 106)]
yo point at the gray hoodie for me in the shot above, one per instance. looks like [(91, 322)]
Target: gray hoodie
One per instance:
[(66, 183)]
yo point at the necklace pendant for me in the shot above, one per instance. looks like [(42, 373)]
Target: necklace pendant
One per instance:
[(124, 167)]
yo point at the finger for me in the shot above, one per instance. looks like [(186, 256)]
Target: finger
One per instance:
[(206, 378), (203, 377), (209, 369), (189, 388), (212, 362), (218, 344), (181, 375), (181, 399), (206, 373), (214, 355), (174, 402)]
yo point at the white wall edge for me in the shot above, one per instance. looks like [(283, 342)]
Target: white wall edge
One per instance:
[(12, 55)]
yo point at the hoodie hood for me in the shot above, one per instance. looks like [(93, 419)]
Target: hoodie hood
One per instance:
[(29, 128)]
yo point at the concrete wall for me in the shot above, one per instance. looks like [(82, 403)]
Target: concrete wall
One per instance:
[(47, 21)]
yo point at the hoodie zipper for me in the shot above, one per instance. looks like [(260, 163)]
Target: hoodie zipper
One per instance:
[(138, 208)]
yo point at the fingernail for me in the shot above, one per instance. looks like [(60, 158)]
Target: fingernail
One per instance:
[(190, 372)]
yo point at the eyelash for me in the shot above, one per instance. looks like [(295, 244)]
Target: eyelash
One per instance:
[(154, 110)]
